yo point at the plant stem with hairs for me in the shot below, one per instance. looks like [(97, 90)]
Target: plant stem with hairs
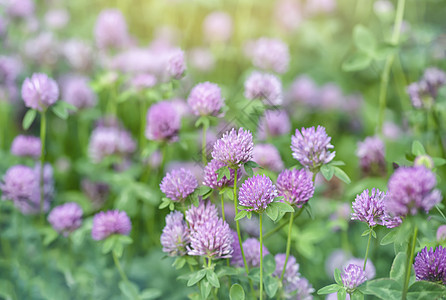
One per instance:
[(388, 64), (261, 258), (411, 250), (367, 251), (42, 162)]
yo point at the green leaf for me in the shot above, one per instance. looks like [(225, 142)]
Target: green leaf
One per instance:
[(329, 289), (204, 121), (150, 294), (269, 264), (342, 294), (366, 232), (118, 248), (357, 295), (212, 278), (426, 290), (29, 118), (272, 212), (204, 191), (109, 244), (284, 207), (337, 276), (130, 290), (60, 110), (337, 163), (205, 289), (357, 62), (417, 148), (384, 50), (67, 105), (236, 292), (398, 269), (165, 203), (179, 262), (383, 288), (389, 238), (271, 285), (364, 39), (341, 175), (7, 290), (327, 171), (438, 161), (196, 277), (240, 215), (223, 172), (252, 164), (172, 206)]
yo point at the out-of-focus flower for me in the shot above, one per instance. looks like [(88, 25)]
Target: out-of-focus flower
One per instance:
[(205, 99), (316, 7), (77, 91), (273, 123), (288, 14), (23, 145), (66, 218), (10, 68), (210, 175), (20, 8), (57, 18), (110, 222), (217, 27), (111, 29), (79, 55), (234, 148), (352, 277), (97, 192), (270, 54), (251, 248), (176, 66), (391, 131), (441, 233), (371, 154), (296, 186), (43, 49), (411, 189), (196, 216), (143, 81), (175, 237), (424, 92), (268, 157), (39, 92), (21, 185), (384, 9), (256, 193), (201, 59), (311, 147), (430, 265), (110, 140), (163, 122), (336, 260), (304, 90), (178, 184), (212, 239), (330, 97), (370, 270), (263, 86)]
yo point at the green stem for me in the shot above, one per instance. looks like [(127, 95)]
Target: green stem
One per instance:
[(203, 147), (288, 245), (118, 266), (438, 131), (261, 258), (388, 65), (409, 262), (42, 160), (367, 251), (237, 225), (223, 206), (142, 124)]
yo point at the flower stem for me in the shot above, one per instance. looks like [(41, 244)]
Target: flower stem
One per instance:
[(42, 161), (409, 261), (203, 147), (388, 65), (261, 258), (367, 251), (288, 245), (118, 266), (142, 124), (237, 223), (223, 207)]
